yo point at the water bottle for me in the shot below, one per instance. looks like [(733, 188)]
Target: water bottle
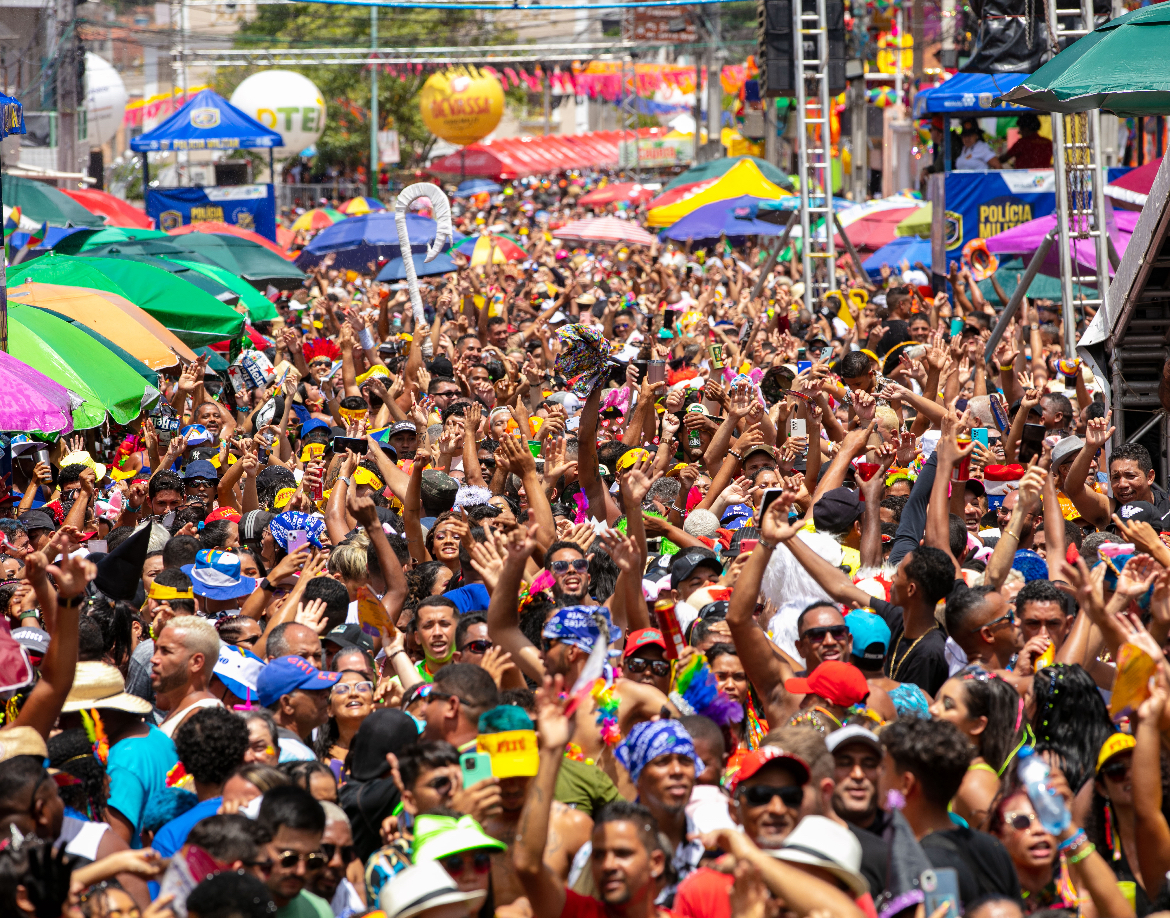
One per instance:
[(1050, 808)]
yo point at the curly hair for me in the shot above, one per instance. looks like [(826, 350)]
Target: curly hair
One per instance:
[(420, 582), (211, 744), (934, 751), (1071, 719), (72, 752)]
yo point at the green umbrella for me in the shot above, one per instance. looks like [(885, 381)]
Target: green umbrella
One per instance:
[(1042, 287), (259, 308), (86, 240), (68, 355), (40, 202), (215, 361), (1121, 67), (242, 257), (917, 224), (187, 309), (716, 168)]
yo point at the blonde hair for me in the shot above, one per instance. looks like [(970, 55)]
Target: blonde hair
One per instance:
[(349, 558), (200, 636)]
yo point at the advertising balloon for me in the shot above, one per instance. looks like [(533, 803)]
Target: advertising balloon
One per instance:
[(105, 100), (462, 106), (288, 103)]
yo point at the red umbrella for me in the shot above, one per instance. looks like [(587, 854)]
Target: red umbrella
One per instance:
[(116, 211), (875, 230), (1134, 186), (216, 228), (605, 229), (620, 191), (680, 192)]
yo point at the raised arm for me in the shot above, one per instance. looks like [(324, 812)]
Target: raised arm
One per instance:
[(503, 614), (1093, 507)]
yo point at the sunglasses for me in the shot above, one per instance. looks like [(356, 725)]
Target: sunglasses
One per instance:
[(762, 794), (440, 785), (454, 865), (577, 564), (360, 688), (348, 852), (477, 646), (1117, 771), (547, 644), (818, 635), (657, 667), (289, 860), (1019, 821), (1009, 616)]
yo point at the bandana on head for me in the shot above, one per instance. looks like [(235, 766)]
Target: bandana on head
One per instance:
[(651, 739), (575, 625), (283, 526)]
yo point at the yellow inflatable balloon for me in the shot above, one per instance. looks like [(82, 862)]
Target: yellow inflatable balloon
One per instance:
[(462, 106)]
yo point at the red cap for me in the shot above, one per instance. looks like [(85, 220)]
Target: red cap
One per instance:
[(838, 683), (638, 639), (223, 513), (754, 761)]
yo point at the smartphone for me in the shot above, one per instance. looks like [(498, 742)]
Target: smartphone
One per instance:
[(1031, 442), (979, 434), (826, 353), (941, 887), (747, 546), (802, 365), (769, 495), (656, 371), (475, 767), (956, 327), (357, 445), (297, 539), (797, 427)]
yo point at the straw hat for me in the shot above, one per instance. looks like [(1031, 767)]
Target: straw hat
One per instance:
[(99, 685)]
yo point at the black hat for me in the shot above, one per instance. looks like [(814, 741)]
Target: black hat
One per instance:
[(384, 731), (744, 532), (837, 510), (685, 563), (352, 635), (37, 519), (119, 572), (1139, 511)]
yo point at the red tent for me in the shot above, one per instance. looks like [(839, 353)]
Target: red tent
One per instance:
[(1134, 186), (116, 211), (618, 191), (516, 157)]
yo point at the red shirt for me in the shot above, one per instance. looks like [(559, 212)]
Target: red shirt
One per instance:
[(579, 906), (1031, 153), (706, 893)]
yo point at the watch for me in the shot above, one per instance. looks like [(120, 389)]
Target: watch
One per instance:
[(266, 585)]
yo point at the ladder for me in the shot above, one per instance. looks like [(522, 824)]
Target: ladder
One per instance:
[(810, 50), (1080, 182)]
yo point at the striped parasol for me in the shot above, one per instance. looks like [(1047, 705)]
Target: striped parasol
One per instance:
[(605, 229)]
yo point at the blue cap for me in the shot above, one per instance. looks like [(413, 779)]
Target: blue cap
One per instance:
[(1031, 565), (313, 424), (200, 468), (287, 674), (871, 635), (216, 575)]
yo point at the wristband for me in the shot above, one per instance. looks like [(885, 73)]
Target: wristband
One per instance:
[(738, 456), (771, 546), (1073, 840), (1090, 848), (366, 339), (1006, 369)]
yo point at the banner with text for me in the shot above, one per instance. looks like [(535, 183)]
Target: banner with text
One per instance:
[(981, 204), (250, 207)]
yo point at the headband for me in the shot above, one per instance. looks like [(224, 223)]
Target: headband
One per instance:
[(162, 592)]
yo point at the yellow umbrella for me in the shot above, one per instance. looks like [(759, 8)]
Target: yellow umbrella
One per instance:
[(110, 315), (743, 178)]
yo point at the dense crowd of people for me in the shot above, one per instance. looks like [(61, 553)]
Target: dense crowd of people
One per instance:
[(624, 585)]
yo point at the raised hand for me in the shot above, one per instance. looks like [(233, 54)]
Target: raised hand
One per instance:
[(1098, 431), (487, 558), (312, 615), (774, 527), (623, 550)]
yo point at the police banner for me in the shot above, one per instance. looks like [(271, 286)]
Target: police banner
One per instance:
[(250, 207), (981, 204)]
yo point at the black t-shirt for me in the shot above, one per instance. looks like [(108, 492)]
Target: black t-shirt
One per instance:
[(982, 863), (367, 803), (875, 858), (926, 665)]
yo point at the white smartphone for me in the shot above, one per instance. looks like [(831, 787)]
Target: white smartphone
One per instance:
[(797, 427)]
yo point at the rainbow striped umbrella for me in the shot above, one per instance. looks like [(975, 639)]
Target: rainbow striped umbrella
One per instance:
[(355, 206), (479, 248), (317, 219)]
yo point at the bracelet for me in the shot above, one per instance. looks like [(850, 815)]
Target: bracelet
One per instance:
[(682, 511), (266, 585), (396, 653), (1073, 840), (738, 456), (1014, 535), (348, 481), (1006, 369), (1090, 848), (71, 603), (771, 546)]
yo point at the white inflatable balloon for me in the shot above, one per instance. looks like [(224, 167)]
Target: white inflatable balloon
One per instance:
[(287, 102), (105, 99)]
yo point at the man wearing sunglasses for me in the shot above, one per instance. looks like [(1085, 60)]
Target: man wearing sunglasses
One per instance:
[(471, 639), (570, 570), (984, 627), (645, 659), (337, 851), (295, 823)]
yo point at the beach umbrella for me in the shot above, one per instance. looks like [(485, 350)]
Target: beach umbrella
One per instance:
[(216, 228), (477, 186), (733, 217), (1134, 187), (1043, 287), (605, 229), (360, 205), (87, 240), (33, 403), (108, 314), (65, 353), (54, 236), (317, 219), (192, 313), (871, 228), (244, 258), (1120, 67), (1025, 239), (42, 203), (908, 248), (395, 270), (116, 211), (917, 224), (632, 192), (356, 242), (478, 249), (260, 308)]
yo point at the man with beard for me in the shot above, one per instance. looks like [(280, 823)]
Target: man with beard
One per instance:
[(570, 572), (295, 823), (185, 654), (507, 734)]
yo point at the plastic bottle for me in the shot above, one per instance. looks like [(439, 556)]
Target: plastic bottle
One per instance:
[(1050, 808)]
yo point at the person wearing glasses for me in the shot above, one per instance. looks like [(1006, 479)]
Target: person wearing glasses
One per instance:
[(982, 627), (295, 824), (330, 883), (645, 659), (351, 701)]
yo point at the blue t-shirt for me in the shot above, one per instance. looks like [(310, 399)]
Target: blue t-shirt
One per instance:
[(138, 768), (171, 837), (471, 598)]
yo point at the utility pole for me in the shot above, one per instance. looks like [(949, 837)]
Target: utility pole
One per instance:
[(373, 176), (68, 88), (179, 75), (714, 71)]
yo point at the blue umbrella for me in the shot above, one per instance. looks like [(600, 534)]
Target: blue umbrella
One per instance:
[(733, 217), (910, 248), (395, 269), (476, 186), (357, 241)]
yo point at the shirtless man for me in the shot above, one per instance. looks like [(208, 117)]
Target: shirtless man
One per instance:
[(568, 637)]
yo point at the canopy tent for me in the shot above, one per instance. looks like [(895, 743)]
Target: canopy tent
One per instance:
[(719, 167), (732, 217), (666, 198), (357, 241), (477, 186), (1134, 186), (605, 229), (744, 178), (42, 203), (207, 122), (972, 94), (517, 157), (1026, 238), (116, 211), (616, 192)]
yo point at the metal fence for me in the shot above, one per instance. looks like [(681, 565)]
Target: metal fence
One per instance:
[(307, 196)]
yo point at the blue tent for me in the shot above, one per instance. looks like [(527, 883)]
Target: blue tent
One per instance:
[(207, 122), (733, 217), (357, 241), (395, 269), (910, 248), (477, 186), (970, 94)]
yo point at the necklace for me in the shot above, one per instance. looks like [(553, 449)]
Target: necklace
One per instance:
[(896, 664)]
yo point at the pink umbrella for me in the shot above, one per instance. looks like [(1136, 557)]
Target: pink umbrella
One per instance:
[(1026, 238), (605, 229), (1134, 186), (615, 192), (32, 401)]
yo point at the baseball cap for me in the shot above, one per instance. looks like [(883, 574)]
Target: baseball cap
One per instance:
[(1066, 450), (216, 575), (758, 448), (507, 734), (686, 562), (287, 674), (349, 636), (852, 733), (401, 427), (871, 635), (34, 640), (974, 484), (765, 755), (239, 669), (200, 468), (837, 510), (21, 444), (1118, 742), (196, 434), (838, 683), (37, 519), (1139, 511), (231, 514), (643, 637)]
